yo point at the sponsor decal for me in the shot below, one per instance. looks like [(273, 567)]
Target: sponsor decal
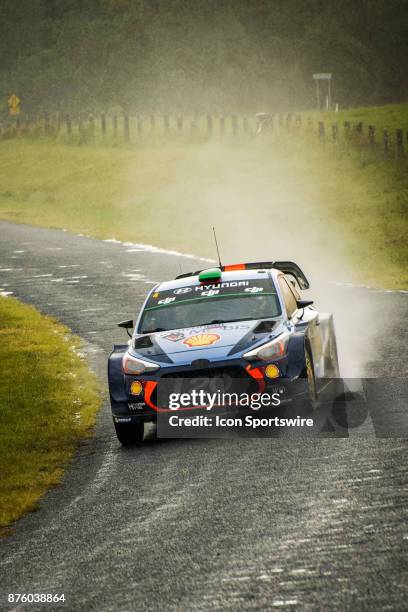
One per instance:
[(201, 340), (227, 289), (253, 289), (182, 290), (202, 329), (174, 336), (224, 285)]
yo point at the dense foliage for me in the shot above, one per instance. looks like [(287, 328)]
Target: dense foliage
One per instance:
[(198, 55)]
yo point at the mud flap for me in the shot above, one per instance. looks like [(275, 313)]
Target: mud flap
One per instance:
[(115, 374)]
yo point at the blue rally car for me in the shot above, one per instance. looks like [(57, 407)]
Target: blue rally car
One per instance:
[(244, 321)]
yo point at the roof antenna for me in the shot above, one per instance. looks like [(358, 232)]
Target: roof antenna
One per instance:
[(218, 251)]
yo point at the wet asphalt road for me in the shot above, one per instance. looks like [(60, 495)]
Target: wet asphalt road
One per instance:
[(260, 524)]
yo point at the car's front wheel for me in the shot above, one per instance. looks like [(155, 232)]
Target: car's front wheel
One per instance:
[(310, 374), (130, 434)]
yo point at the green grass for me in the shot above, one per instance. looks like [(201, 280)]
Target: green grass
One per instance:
[(48, 402), (338, 211)]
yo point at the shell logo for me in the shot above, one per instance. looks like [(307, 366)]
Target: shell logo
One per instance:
[(201, 340)]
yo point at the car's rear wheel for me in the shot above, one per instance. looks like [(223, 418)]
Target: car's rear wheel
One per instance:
[(130, 434)]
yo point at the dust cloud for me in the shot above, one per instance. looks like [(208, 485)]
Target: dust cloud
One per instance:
[(266, 204)]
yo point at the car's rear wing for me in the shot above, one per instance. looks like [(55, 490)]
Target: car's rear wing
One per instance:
[(287, 267)]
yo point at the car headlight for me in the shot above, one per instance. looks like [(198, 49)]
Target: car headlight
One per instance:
[(275, 349), (132, 365)]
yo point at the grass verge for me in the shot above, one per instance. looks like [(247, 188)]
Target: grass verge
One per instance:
[(48, 402), (338, 211)]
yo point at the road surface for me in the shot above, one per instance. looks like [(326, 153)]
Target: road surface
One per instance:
[(259, 524)]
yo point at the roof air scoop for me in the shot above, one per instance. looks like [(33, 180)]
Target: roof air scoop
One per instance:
[(212, 275)]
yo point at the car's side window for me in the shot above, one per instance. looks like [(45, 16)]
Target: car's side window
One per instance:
[(289, 298)]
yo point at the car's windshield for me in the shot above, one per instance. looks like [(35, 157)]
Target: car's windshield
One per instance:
[(195, 306)]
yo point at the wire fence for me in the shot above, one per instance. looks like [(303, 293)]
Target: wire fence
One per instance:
[(132, 130)]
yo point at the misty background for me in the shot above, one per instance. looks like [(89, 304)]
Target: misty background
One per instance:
[(187, 56)]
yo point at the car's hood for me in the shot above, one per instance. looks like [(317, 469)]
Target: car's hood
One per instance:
[(206, 341)]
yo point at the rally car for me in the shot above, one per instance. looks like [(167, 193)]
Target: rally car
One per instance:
[(242, 321)]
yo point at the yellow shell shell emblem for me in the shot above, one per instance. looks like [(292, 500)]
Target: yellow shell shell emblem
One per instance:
[(201, 340)]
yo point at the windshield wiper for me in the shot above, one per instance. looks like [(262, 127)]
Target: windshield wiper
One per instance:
[(215, 321)]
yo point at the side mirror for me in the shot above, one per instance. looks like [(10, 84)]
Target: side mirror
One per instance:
[(127, 325), (304, 303)]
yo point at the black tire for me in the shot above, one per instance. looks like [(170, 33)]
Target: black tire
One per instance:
[(308, 404), (130, 434), (310, 375), (305, 407)]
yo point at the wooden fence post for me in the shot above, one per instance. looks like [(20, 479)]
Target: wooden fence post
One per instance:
[(115, 126), (321, 130), (334, 132), (359, 128), (166, 124), (209, 125), (386, 140), (81, 128), (126, 128), (222, 126), (46, 123), (193, 127), (92, 125), (400, 142), (69, 125), (103, 124), (371, 135), (234, 125)]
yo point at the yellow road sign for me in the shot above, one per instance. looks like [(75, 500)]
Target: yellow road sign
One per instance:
[(14, 104)]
